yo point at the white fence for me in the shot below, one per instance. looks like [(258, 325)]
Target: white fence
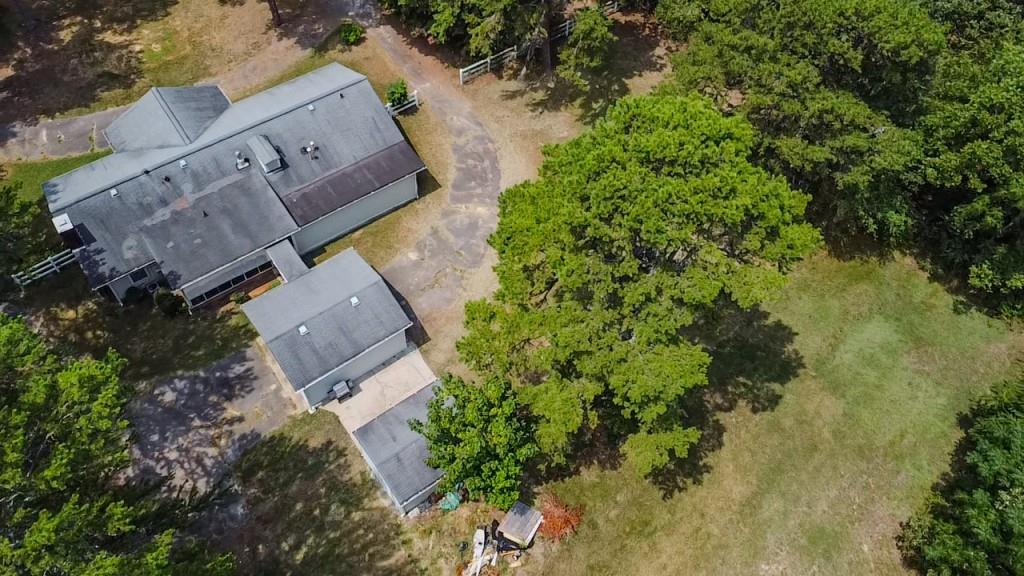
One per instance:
[(501, 59), (51, 265), (412, 101)]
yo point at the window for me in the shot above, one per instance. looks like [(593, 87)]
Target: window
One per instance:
[(139, 275)]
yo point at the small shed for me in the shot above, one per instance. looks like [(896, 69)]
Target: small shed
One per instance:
[(520, 524)]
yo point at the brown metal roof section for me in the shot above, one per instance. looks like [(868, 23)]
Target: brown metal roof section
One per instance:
[(341, 188)]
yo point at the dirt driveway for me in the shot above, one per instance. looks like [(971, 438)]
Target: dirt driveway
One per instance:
[(191, 427)]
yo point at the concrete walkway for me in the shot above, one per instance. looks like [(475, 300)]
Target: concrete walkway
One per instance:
[(62, 137), (382, 390)]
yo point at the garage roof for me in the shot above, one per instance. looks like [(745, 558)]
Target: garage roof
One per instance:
[(326, 317), (398, 455)]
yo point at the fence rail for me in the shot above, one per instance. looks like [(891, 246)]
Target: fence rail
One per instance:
[(502, 59), (51, 265), (413, 101)]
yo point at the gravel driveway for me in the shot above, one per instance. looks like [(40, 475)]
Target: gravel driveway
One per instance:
[(193, 426)]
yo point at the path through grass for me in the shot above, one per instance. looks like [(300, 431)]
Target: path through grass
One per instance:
[(819, 483)]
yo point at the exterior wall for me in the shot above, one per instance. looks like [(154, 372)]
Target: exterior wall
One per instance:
[(354, 215), (320, 391), (199, 287), (121, 285)]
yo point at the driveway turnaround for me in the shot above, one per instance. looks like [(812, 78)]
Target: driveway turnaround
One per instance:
[(193, 426)]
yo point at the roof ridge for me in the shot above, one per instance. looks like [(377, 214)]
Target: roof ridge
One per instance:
[(186, 149), (170, 114)]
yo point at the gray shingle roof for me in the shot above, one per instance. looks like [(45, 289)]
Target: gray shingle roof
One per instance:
[(286, 260), (337, 330), (207, 213), (396, 453), (167, 117), (200, 218)]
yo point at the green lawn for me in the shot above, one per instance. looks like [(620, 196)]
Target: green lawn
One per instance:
[(29, 176), (835, 413)]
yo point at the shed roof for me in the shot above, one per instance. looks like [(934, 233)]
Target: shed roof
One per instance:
[(396, 453), (337, 328)]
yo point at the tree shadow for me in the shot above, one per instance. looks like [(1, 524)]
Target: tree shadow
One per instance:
[(192, 427), (634, 54), (63, 55), (300, 509), (78, 321), (752, 359)]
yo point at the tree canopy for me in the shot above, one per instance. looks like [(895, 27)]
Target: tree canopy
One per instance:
[(63, 438), (20, 240), (899, 118), (586, 52), (481, 25), (634, 231), (974, 524), (480, 436)]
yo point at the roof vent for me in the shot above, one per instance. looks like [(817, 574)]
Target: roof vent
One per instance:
[(303, 330), (113, 191), (183, 163), (310, 107), (241, 162), (266, 154), (354, 301)]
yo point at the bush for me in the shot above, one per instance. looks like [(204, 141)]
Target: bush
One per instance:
[(169, 302), (239, 297), (133, 295), (350, 33), (972, 521), (398, 92)]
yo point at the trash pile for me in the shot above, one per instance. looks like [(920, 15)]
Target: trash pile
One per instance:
[(506, 541)]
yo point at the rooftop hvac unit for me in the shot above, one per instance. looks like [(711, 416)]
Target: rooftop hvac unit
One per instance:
[(265, 153)]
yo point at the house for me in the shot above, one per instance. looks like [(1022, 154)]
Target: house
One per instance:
[(199, 188), (328, 325)]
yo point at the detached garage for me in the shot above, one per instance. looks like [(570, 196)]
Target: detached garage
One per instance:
[(329, 325)]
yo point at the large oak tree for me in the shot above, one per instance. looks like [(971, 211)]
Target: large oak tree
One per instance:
[(634, 231)]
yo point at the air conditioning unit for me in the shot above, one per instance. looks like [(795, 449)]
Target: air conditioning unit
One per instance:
[(341, 390)]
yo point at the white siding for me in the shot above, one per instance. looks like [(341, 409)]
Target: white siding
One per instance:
[(359, 366), (350, 217)]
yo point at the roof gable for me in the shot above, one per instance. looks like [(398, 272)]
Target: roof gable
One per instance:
[(167, 117)]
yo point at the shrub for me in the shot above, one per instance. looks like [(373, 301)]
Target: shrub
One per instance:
[(239, 297), (133, 295), (350, 33), (170, 303), (398, 92)]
